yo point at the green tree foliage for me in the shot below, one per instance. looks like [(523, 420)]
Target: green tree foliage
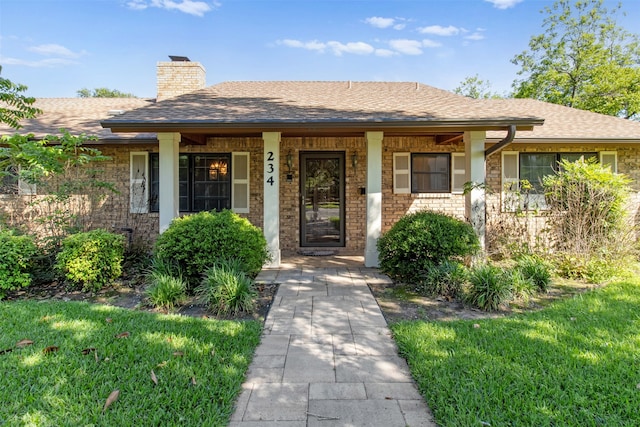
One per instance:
[(476, 88), (583, 59), (64, 170), (14, 105), (103, 92)]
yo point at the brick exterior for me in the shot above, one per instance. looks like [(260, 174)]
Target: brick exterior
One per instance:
[(113, 212), (394, 206), (177, 78)]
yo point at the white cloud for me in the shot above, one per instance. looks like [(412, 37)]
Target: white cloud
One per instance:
[(358, 48), (43, 63), (503, 4), (385, 53), (439, 30), (337, 48), (54, 50), (430, 43), (312, 45), (399, 27), (475, 36), (191, 7), (407, 47), (379, 22)]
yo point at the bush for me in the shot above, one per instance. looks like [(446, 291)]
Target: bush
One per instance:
[(521, 285), (91, 259), (166, 291), (488, 287), (166, 285), (16, 255), (227, 290), (446, 279), (588, 218), (536, 270), (196, 242), (421, 240)]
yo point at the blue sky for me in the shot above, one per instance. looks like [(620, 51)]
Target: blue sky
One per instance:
[(57, 47)]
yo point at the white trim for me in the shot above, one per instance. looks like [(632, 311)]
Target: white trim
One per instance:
[(271, 194), (240, 158), (139, 183), (613, 161), (509, 183), (401, 174), (458, 172), (374, 197)]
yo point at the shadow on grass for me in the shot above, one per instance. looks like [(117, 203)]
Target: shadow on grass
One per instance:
[(574, 363), (199, 365)]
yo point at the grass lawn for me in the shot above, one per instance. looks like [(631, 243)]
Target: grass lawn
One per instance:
[(575, 363), (169, 370)]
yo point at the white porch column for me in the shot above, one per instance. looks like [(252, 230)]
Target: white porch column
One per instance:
[(272, 195), (374, 197), (169, 202), (475, 203)]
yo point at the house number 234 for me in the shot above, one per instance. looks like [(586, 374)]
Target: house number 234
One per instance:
[(269, 168)]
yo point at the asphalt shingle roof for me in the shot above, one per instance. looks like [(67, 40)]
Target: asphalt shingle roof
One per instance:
[(568, 124), (77, 115), (316, 102)]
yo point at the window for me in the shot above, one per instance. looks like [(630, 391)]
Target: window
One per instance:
[(517, 167), (10, 183), (535, 166), (428, 172), (205, 182)]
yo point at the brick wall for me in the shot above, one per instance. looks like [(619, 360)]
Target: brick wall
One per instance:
[(394, 206), (177, 78)]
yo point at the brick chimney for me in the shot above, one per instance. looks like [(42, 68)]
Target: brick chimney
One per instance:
[(179, 76)]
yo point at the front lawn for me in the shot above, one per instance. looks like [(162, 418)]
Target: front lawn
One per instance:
[(575, 363), (61, 361)]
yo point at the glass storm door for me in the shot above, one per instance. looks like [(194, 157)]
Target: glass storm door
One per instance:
[(322, 199)]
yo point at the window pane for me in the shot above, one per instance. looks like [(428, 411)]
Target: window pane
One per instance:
[(534, 166), (430, 173), (572, 157)]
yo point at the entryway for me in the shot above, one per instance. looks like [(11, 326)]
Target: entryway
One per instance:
[(322, 199)]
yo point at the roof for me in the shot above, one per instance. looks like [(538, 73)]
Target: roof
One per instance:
[(286, 105), (565, 124), (78, 115)]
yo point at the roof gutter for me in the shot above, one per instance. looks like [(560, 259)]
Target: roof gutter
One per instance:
[(511, 134)]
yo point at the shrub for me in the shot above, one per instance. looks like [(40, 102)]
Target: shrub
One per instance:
[(420, 240), (196, 242), (166, 285), (535, 269), (587, 217), (16, 255), (166, 291), (521, 285), (91, 259), (488, 287), (226, 290), (446, 279)]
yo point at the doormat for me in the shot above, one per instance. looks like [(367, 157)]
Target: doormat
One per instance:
[(317, 252)]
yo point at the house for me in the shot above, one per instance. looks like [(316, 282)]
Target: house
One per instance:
[(326, 165)]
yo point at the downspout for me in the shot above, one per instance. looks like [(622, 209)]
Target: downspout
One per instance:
[(511, 133)]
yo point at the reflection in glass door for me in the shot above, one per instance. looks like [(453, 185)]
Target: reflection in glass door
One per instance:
[(322, 199)]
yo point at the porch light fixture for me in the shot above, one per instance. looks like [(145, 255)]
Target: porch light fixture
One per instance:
[(354, 160), (289, 160)]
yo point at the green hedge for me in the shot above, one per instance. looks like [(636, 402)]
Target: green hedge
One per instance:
[(92, 259), (16, 256), (197, 242)]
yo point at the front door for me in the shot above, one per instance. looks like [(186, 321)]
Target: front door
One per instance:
[(322, 199)]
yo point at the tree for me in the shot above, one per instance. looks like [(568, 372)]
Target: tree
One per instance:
[(14, 106), (103, 92), (583, 59), (475, 87)]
